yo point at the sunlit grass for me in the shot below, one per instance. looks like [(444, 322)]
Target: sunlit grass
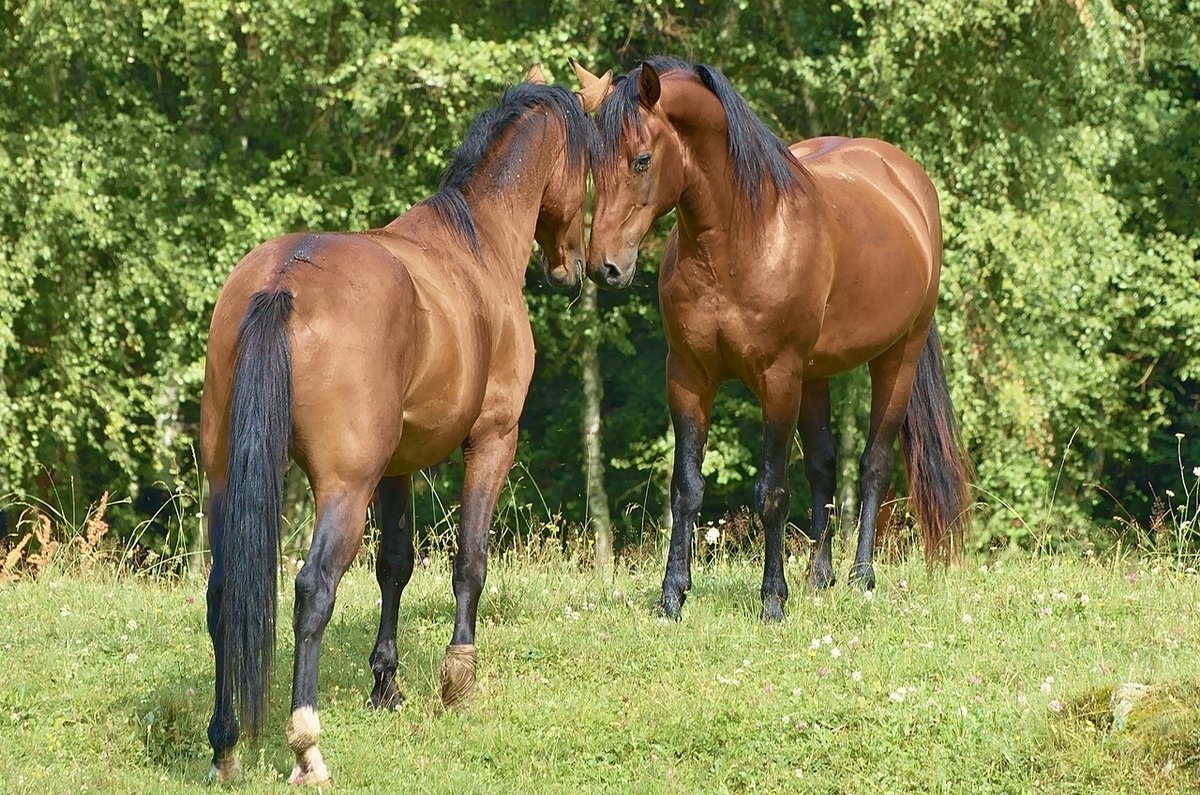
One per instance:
[(962, 682)]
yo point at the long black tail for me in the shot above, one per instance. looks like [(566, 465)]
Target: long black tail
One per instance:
[(259, 427), (937, 469)]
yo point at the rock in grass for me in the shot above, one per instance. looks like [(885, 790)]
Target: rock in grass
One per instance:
[(1157, 726), (1122, 701)]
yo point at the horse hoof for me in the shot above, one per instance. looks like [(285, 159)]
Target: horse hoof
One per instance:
[(772, 610), (458, 674), (387, 698), (863, 576), (822, 577), (226, 769), (670, 605), (310, 775)]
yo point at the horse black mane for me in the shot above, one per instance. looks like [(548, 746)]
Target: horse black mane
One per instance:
[(757, 155), (488, 127)]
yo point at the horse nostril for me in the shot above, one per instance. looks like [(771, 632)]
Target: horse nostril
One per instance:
[(612, 274)]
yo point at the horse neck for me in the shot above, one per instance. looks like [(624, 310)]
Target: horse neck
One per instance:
[(505, 206), (709, 210)]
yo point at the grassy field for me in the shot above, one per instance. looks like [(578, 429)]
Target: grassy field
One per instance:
[(984, 679)]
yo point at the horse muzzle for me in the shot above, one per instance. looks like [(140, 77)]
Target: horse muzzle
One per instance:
[(613, 272), (567, 272)]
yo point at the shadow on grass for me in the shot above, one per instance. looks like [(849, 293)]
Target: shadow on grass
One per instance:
[(741, 596), (172, 719)]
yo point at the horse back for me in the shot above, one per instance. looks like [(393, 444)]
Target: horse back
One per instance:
[(878, 181)]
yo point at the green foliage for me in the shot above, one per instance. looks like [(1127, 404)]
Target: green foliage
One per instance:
[(144, 150)]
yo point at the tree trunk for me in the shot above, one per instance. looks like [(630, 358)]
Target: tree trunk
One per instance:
[(849, 448), (599, 521)]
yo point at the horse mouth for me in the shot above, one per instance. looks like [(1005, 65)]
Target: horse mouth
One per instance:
[(563, 276)]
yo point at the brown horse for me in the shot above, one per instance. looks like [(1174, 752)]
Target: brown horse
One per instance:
[(784, 268), (369, 356)]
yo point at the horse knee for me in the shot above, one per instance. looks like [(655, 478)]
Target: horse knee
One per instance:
[(820, 467), (771, 502), (470, 573), (394, 568), (874, 471)]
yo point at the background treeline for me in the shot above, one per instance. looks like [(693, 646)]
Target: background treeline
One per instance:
[(144, 147)]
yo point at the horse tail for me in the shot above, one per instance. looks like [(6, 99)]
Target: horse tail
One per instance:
[(937, 470), (259, 428)]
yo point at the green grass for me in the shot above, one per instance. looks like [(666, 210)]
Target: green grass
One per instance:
[(936, 684)]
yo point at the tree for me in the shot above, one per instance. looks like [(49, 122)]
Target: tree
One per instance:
[(144, 150)]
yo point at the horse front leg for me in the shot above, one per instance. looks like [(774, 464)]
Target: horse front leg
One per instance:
[(690, 399), (488, 459), (779, 395), (820, 467)]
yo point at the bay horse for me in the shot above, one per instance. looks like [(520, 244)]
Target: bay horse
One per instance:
[(785, 267), (369, 356)]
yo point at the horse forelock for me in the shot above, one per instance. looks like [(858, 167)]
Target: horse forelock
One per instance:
[(756, 155), (620, 114)]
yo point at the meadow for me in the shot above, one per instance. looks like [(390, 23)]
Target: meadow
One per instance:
[(991, 677)]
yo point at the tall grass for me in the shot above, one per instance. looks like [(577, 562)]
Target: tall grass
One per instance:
[(990, 677)]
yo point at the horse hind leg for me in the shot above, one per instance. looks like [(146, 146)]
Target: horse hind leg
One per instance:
[(336, 539), (820, 467), (393, 569), (891, 385)]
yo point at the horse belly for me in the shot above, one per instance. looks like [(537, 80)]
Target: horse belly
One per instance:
[(424, 444), (867, 314)]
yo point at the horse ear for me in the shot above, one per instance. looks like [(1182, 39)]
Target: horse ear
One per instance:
[(535, 76), (649, 89), (593, 90), (586, 78)]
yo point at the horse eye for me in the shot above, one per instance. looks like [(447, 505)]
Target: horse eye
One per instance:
[(641, 162)]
